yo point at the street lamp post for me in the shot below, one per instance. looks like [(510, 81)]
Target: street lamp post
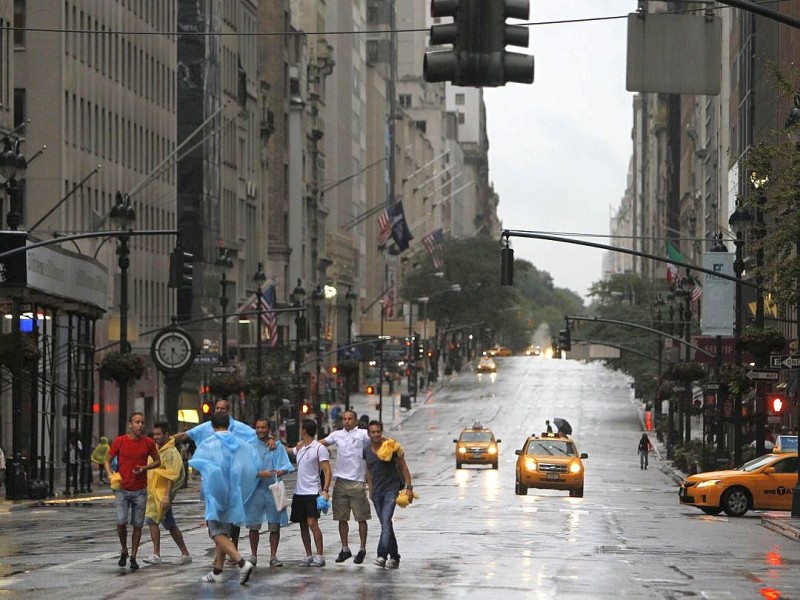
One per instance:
[(687, 285), (259, 278), (123, 216), (424, 302), (350, 297), (316, 299), (298, 302), (738, 221), (224, 261)]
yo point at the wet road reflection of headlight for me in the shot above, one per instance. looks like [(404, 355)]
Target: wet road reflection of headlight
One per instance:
[(491, 484)]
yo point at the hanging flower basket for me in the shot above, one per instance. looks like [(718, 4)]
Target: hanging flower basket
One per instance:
[(762, 342), (734, 379), (226, 385), (121, 368), (686, 373), (8, 350), (259, 387)]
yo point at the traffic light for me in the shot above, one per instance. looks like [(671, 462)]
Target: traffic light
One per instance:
[(334, 369), (181, 269), (370, 389), (564, 340), (206, 409), (776, 404), (305, 409), (420, 351), (479, 35)]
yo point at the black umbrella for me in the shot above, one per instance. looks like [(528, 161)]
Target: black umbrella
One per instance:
[(563, 426)]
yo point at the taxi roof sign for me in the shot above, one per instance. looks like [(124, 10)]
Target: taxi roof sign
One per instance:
[(786, 443)]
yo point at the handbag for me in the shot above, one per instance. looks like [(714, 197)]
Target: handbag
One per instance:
[(278, 494)]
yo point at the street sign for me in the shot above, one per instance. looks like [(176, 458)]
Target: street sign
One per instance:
[(790, 362), (769, 375), (206, 359), (223, 369), (775, 361)]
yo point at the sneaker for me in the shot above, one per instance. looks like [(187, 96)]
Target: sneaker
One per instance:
[(362, 554), (253, 559), (318, 561), (213, 578), (134, 564), (123, 558), (343, 556), (393, 563), (381, 562), (245, 571), (275, 562), (306, 562), (153, 559), (185, 559)]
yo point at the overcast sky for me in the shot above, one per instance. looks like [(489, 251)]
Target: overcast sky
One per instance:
[(559, 149)]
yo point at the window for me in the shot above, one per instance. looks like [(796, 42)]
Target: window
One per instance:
[(460, 99), (422, 126), (405, 100), (461, 118), (19, 23)]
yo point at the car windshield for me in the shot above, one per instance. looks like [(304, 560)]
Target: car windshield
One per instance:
[(552, 447), (476, 436), (757, 463)]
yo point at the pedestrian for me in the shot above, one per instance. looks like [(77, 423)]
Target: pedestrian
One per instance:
[(228, 467), (131, 450), (313, 480), (163, 484), (644, 448), (2, 468), (549, 427), (275, 464), (386, 479), (99, 458), (349, 483)]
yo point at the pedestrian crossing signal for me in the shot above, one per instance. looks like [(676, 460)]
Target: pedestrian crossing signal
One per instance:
[(776, 405), (305, 408), (370, 390)]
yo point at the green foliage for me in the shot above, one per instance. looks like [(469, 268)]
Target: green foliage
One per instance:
[(257, 387), (688, 457), (226, 385), (762, 342), (9, 350), (733, 378), (512, 314), (121, 368), (685, 373)]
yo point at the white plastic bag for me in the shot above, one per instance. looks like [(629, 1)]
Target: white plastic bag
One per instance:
[(278, 494)]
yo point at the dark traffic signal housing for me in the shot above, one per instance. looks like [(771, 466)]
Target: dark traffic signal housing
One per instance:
[(181, 269), (479, 35)]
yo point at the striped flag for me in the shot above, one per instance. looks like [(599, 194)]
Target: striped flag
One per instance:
[(384, 227), (697, 292), (269, 320), (433, 244), (388, 303)]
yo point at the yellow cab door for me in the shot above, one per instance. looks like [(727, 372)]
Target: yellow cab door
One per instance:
[(775, 489)]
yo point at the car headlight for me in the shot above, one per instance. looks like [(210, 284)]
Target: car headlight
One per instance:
[(462, 450), (492, 449), (708, 483), (575, 467), (530, 463)]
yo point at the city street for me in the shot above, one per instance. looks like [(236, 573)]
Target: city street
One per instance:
[(468, 535)]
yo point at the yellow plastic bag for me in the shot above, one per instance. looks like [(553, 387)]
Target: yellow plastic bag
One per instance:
[(402, 498), (115, 481)]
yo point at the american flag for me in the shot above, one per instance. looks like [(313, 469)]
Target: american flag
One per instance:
[(697, 292), (384, 227), (266, 311), (433, 244), (388, 303)]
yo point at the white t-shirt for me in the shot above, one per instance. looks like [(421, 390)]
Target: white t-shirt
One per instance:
[(349, 453), (309, 464)]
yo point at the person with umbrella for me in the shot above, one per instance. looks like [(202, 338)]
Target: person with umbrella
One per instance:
[(563, 426)]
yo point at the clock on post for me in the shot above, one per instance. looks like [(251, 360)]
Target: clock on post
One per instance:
[(172, 350)]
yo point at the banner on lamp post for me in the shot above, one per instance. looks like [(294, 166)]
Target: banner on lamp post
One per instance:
[(718, 295)]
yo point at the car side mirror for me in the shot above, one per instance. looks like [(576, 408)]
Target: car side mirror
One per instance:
[(498, 441), (518, 452), (769, 470), (584, 455), (455, 441)]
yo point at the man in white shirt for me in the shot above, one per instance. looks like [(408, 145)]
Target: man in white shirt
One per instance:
[(313, 461), (350, 489)]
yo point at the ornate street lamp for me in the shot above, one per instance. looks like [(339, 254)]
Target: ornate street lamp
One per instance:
[(298, 299), (317, 296), (687, 288), (12, 167), (224, 261), (738, 221), (123, 216)]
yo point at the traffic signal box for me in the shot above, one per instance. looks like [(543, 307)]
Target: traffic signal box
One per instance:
[(776, 404), (206, 409), (479, 35), (181, 269)]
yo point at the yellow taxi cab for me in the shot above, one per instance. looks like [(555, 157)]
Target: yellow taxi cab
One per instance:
[(764, 483), (476, 446), (486, 364), (500, 351), (550, 461)]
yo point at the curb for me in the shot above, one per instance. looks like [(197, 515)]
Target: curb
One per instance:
[(782, 526)]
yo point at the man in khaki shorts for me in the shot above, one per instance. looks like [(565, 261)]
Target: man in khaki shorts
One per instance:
[(350, 488)]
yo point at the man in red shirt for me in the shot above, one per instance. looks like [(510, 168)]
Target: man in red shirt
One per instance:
[(132, 450)]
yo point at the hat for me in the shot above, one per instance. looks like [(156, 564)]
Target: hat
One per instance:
[(103, 440)]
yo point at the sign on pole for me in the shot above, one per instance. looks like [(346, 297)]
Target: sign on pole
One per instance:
[(756, 374)]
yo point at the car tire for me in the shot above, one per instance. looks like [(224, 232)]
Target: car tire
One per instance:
[(576, 493), (458, 465), (711, 510), (494, 465), (736, 502), (519, 489)]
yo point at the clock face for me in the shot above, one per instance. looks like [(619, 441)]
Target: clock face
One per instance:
[(173, 350)]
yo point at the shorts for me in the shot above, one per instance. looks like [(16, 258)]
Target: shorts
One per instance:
[(133, 502), (304, 507), (270, 527), (167, 520), (216, 528), (350, 495)]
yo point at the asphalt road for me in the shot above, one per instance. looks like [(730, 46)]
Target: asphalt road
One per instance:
[(468, 536)]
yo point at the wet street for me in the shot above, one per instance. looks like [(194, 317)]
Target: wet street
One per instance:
[(469, 535)]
